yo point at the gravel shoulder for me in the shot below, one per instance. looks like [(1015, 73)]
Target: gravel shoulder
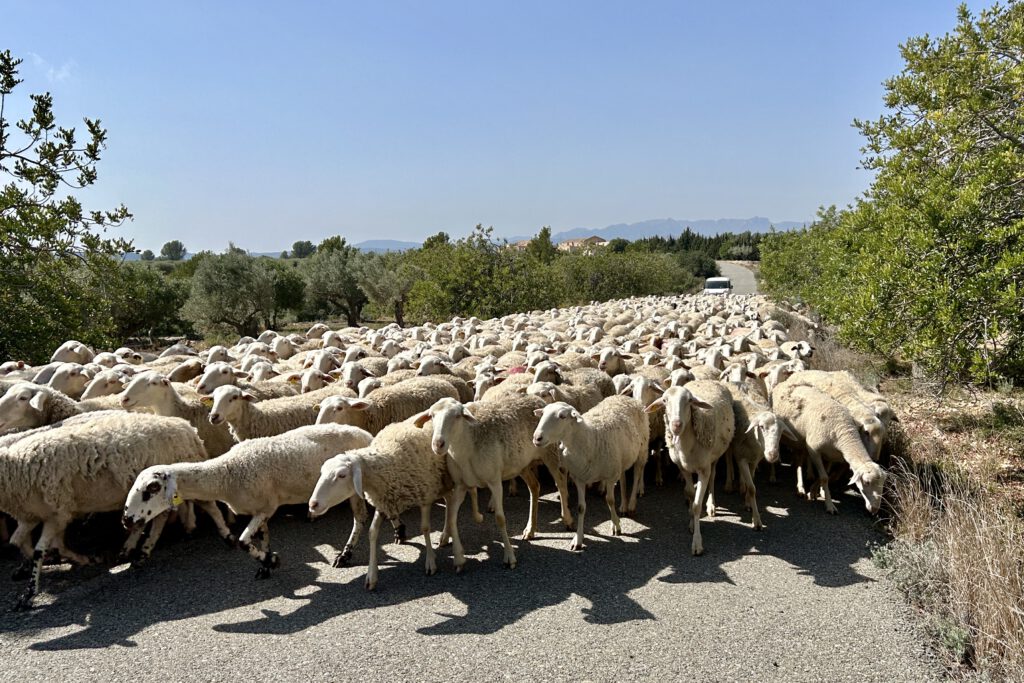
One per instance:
[(800, 601)]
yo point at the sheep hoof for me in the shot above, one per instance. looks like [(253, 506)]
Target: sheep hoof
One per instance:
[(231, 541), (575, 547), (342, 558), (616, 531), (570, 525), (370, 585), (273, 561), (478, 518), (528, 534), (758, 526), (510, 564), (139, 561), (698, 550), (459, 568), (832, 511), (263, 573), (24, 602), (23, 572), (400, 536)]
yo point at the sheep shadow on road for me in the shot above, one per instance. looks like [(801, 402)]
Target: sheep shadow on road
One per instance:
[(199, 577)]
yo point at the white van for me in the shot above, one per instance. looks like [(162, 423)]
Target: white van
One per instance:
[(717, 285)]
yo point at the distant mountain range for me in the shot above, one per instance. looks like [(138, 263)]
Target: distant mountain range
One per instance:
[(663, 227)]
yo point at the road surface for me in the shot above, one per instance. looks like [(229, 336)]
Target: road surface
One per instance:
[(743, 280), (799, 601)]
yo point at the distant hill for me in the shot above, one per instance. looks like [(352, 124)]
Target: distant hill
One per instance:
[(670, 227), (385, 245)]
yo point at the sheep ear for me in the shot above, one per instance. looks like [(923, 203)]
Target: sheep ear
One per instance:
[(422, 419), (699, 403), (241, 374), (293, 379), (38, 402), (521, 389), (856, 479), (655, 406), (538, 412), (626, 390), (248, 397), (368, 373), (206, 401), (329, 378), (576, 414), (626, 356), (358, 404), (415, 365), (468, 416), (751, 375), (357, 477), (751, 427)]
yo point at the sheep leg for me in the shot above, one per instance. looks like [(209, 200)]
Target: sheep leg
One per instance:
[(561, 483), (513, 488), (534, 487), (52, 529), (609, 498), (709, 493), (771, 474), (750, 493), (256, 540), (730, 472), (499, 517), (214, 513), (428, 546), (704, 478), (659, 479), (371, 568), (5, 535), (156, 527), (453, 516), (800, 488), (581, 510), (474, 504), (22, 540), (187, 515), (358, 521), (816, 462)]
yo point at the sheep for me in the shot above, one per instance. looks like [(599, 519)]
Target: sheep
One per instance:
[(386, 405), (106, 383), (756, 437), (613, 361), (598, 446), (646, 391), (255, 478), (152, 391), (397, 471), (53, 476), (582, 398), (465, 389), (828, 431), (187, 370), (699, 426), (70, 379), (354, 372), (487, 443), (179, 349), (249, 419), (72, 352), (868, 408), (27, 405), (222, 374)]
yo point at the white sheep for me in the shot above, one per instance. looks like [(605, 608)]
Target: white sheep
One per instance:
[(699, 426), (70, 379), (250, 419), (397, 471), (221, 374), (756, 438), (72, 352), (598, 447), (26, 405), (255, 478), (387, 405), (52, 476), (486, 443), (829, 432), (152, 391), (106, 383)]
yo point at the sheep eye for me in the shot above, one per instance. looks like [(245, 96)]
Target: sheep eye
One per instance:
[(23, 398), (153, 487)]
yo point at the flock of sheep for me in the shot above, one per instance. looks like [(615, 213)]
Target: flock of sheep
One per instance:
[(402, 418)]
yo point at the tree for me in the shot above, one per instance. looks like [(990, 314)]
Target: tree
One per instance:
[(173, 251), (541, 247), (289, 292), (331, 279), (54, 261), (929, 263), (438, 240), (303, 249), (148, 255), (387, 280), (231, 290), (618, 245)]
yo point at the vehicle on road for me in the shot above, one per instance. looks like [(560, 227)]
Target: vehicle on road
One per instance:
[(717, 285)]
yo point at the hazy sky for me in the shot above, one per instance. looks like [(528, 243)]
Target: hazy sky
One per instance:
[(264, 123)]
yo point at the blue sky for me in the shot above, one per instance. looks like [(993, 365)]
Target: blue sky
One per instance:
[(264, 123)]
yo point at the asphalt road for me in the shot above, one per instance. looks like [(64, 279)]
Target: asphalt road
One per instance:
[(743, 280), (799, 601)]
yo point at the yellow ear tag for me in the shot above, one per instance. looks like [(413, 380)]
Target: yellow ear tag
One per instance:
[(177, 500)]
